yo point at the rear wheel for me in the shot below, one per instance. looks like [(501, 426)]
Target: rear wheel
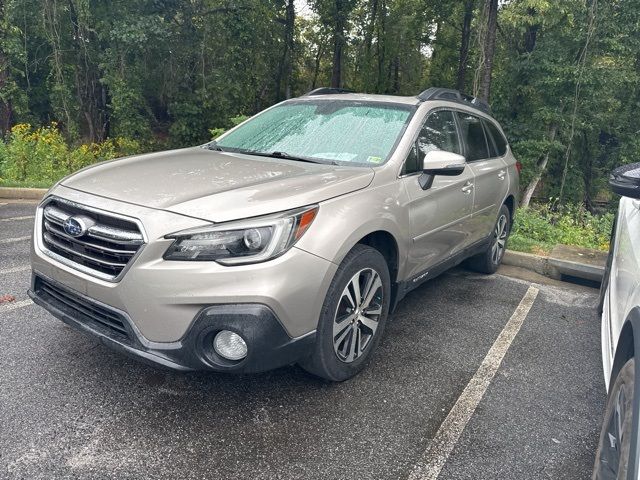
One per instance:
[(353, 316), (489, 261), (612, 457)]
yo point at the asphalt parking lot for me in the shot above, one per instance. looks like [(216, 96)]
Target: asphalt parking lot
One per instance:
[(71, 408)]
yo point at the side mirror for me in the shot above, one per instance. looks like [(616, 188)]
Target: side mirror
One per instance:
[(625, 180), (438, 162)]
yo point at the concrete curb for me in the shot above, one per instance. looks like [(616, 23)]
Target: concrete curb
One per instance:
[(529, 261), (11, 193), (554, 267)]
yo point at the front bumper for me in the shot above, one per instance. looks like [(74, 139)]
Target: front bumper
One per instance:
[(269, 345), (162, 298)]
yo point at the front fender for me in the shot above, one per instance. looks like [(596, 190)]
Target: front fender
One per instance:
[(342, 222)]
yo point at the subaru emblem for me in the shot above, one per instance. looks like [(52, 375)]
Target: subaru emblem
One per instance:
[(74, 227)]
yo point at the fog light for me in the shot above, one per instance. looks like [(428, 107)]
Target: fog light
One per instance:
[(230, 345)]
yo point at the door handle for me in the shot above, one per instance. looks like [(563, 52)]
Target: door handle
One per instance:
[(502, 174), (467, 188)]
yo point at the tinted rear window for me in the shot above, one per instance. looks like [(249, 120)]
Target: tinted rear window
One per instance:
[(498, 138), (473, 134)]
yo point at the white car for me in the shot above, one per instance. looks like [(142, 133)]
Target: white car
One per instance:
[(618, 449)]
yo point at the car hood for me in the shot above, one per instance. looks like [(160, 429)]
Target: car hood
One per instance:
[(217, 186)]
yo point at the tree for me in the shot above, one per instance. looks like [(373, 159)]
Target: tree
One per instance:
[(487, 39), (340, 14), (563, 76), (285, 72), (465, 41)]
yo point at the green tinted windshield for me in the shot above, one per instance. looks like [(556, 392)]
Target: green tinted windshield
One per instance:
[(329, 130)]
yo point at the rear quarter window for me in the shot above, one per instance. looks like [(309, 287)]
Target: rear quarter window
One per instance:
[(498, 139)]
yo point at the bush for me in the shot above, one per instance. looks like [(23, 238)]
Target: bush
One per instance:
[(41, 156), (539, 228)]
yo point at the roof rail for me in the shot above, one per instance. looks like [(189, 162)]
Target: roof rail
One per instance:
[(437, 93), (327, 91)]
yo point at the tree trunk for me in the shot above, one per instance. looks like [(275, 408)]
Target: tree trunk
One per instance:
[(541, 167), (531, 33), (364, 61), (488, 49), (587, 170), (289, 46), (6, 108), (338, 45), (285, 71), (522, 77), (381, 84), (464, 44), (396, 75), (368, 36), (316, 68)]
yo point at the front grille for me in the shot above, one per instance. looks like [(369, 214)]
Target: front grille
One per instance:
[(105, 247), (91, 314)]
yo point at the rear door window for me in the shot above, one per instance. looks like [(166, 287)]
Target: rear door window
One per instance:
[(474, 137)]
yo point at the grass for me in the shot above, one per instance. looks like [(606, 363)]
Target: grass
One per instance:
[(521, 243), (539, 228)]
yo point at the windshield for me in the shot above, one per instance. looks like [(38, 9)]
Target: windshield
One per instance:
[(326, 130)]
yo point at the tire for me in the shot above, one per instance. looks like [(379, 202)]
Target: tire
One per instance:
[(489, 261), (346, 338), (612, 457)]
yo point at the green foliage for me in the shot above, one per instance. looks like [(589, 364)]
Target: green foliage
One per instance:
[(538, 229), (41, 156), (165, 72)]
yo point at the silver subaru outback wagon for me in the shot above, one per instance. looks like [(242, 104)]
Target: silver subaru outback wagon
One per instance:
[(289, 239)]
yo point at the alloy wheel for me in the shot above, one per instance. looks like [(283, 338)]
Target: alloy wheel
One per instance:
[(615, 436), (357, 315), (500, 239)]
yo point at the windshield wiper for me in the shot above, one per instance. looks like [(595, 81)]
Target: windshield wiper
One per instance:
[(276, 154), (283, 155), (286, 156), (213, 145)]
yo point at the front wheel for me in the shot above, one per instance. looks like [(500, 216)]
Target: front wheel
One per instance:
[(612, 457), (489, 261), (353, 316)]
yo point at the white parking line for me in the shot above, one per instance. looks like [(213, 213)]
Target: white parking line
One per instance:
[(21, 268), (13, 240), (441, 446), (11, 219), (15, 305)]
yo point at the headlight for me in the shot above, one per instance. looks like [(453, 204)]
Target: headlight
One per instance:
[(248, 241)]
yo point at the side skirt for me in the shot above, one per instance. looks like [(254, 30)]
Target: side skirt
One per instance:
[(404, 287)]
